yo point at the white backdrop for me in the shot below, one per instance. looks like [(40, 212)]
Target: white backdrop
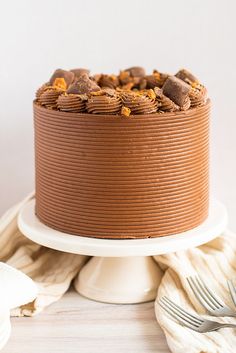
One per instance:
[(37, 37)]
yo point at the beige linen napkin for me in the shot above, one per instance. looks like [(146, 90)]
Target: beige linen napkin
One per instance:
[(54, 271), (215, 262)]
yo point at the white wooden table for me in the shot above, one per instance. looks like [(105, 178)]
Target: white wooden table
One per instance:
[(75, 324)]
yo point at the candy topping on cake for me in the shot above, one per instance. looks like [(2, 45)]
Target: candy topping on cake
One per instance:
[(60, 76), (129, 93)]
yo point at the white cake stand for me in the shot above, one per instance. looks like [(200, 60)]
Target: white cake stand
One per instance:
[(121, 271)]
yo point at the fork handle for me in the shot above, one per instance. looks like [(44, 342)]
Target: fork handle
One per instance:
[(226, 325)]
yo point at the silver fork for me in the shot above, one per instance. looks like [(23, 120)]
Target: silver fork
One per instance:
[(194, 322), (232, 290), (211, 302)]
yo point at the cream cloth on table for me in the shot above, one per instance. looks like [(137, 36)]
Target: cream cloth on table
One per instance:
[(215, 262), (53, 272)]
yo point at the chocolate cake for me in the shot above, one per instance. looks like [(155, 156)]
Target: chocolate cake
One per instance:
[(122, 156)]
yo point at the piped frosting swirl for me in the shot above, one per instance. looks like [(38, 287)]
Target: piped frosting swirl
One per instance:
[(106, 101), (139, 103), (198, 95), (41, 89), (49, 96), (71, 103)]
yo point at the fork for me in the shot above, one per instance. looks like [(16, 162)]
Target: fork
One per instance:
[(211, 302), (194, 322), (232, 290)]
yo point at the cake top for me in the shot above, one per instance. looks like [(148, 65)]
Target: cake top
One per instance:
[(130, 92)]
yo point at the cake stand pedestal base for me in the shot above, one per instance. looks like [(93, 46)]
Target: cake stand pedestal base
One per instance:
[(122, 270), (121, 280)]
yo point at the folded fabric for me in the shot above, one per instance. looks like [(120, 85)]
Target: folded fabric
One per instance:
[(54, 271), (215, 262)]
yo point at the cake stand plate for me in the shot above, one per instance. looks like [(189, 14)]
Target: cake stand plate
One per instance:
[(121, 271)]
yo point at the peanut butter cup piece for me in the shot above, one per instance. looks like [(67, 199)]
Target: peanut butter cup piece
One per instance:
[(165, 104), (59, 75), (157, 79), (131, 77), (83, 85), (136, 71), (186, 76), (79, 71), (110, 81), (176, 89)]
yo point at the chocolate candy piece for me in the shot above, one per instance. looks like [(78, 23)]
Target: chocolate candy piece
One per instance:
[(59, 73), (78, 72), (176, 89), (83, 85), (136, 71), (110, 81), (186, 76)]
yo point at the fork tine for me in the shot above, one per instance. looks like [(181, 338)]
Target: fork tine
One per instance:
[(217, 300), (192, 317), (176, 316), (199, 295), (232, 290)]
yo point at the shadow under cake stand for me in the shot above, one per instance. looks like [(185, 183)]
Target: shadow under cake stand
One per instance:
[(120, 271)]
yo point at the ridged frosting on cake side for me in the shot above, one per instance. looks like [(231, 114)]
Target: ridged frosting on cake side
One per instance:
[(108, 176)]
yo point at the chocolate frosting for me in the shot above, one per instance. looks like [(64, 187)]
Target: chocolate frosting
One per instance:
[(104, 102), (198, 95), (115, 177), (49, 96), (41, 89), (186, 104), (71, 103), (139, 103)]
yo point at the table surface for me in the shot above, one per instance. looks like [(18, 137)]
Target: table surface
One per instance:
[(76, 324)]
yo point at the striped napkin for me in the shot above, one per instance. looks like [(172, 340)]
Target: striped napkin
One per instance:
[(215, 262), (54, 271)]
